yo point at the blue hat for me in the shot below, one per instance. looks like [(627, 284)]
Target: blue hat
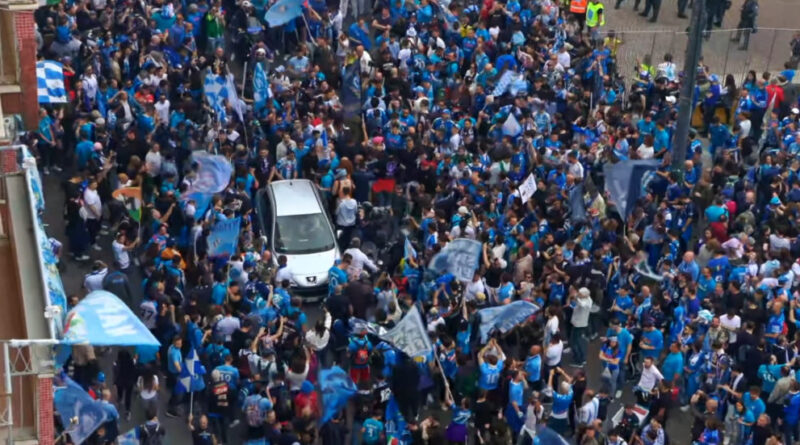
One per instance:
[(446, 111), (775, 201)]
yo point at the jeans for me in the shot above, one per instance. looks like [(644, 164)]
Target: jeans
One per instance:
[(578, 342), (93, 225), (682, 4), (610, 382), (355, 432)]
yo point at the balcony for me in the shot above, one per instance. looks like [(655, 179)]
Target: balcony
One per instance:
[(19, 5)]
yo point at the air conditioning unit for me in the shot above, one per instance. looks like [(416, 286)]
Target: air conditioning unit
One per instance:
[(11, 127)]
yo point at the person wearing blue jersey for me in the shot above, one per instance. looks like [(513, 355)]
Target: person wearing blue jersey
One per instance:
[(174, 368), (491, 360), (533, 368), (562, 401), (337, 274)]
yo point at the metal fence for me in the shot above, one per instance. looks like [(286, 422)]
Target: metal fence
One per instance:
[(768, 49)]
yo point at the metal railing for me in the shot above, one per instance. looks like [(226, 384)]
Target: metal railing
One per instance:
[(768, 49)]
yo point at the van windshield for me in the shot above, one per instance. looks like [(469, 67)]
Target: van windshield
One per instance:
[(300, 234)]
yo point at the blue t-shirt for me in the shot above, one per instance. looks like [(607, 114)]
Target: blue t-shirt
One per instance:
[(561, 403), (655, 339), (372, 431), (336, 277), (533, 366), (173, 356), (146, 354), (774, 326), (515, 393), (230, 375), (756, 406), (490, 375), (672, 366)]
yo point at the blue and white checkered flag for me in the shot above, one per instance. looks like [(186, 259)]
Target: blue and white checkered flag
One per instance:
[(191, 377), (50, 82), (503, 83)]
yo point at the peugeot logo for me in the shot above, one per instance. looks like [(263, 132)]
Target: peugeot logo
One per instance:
[(311, 279)]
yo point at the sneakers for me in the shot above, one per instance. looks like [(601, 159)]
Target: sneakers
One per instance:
[(83, 257), (57, 169), (46, 171), (234, 423), (97, 248), (104, 232), (618, 394), (685, 408), (171, 414), (128, 416)]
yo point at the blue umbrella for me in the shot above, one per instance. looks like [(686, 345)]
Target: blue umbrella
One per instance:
[(283, 11)]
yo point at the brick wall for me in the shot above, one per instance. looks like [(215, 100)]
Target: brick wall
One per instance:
[(26, 44), (45, 410)]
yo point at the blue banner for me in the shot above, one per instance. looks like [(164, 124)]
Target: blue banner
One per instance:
[(129, 438), (102, 319), (80, 414), (627, 181), (337, 388), (351, 92), (224, 237), (504, 318), (408, 250), (461, 258)]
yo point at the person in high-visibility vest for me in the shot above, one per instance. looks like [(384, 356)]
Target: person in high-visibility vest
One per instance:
[(595, 18), (578, 10)]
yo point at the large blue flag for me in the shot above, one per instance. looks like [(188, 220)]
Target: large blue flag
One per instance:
[(215, 88), (283, 11), (224, 237), (409, 335), (351, 92), (504, 318), (102, 319), (129, 438), (191, 376), (213, 173), (461, 258), (627, 181), (337, 388), (80, 414), (408, 250), (261, 91)]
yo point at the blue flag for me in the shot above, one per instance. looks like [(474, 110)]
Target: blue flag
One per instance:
[(213, 173), (215, 88), (129, 438), (283, 11), (102, 319), (224, 237), (337, 388), (461, 258), (351, 92), (408, 250), (504, 318), (201, 203), (627, 181), (191, 377), (261, 91), (357, 33), (80, 414)]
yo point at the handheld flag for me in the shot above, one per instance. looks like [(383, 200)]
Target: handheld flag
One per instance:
[(527, 188), (409, 335), (132, 197), (283, 11), (503, 83), (351, 92), (213, 173), (504, 318), (511, 126), (460, 257), (224, 237), (80, 414), (261, 90), (337, 388), (128, 438), (408, 250), (627, 181), (191, 377), (50, 82), (102, 319)]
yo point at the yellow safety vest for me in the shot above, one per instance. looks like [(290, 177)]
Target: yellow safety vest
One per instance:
[(593, 10)]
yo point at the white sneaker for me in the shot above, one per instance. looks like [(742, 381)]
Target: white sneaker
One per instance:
[(57, 168), (96, 247), (104, 232), (618, 394)]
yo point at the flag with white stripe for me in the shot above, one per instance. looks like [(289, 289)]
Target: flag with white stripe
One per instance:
[(503, 83), (50, 82)]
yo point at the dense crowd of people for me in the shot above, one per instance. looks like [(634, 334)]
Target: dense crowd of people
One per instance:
[(686, 299)]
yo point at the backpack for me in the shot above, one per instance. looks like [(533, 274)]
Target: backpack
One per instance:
[(149, 435), (361, 357)]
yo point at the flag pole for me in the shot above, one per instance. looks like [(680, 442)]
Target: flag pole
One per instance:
[(444, 377), (191, 401)]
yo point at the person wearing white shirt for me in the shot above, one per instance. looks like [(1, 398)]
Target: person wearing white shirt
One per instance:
[(731, 323), (93, 208), (93, 280), (564, 59), (360, 259), (284, 273), (162, 109), (120, 246), (650, 377), (588, 411), (553, 351), (153, 160)]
